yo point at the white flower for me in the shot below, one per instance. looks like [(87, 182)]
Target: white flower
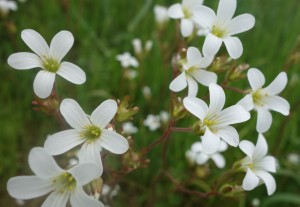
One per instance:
[(164, 116), (193, 72), (222, 27), (6, 6), (184, 12), (265, 99), (131, 74), (214, 122), (49, 59), (129, 128), (161, 14), (152, 122), (110, 191), (49, 177), (146, 90), (255, 202), (258, 165), (293, 158), (196, 154), (138, 48), (127, 60), (89, 130)]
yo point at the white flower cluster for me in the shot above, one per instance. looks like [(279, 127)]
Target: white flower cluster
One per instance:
[(154, 122)]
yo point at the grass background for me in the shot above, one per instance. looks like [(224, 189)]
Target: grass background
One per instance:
[(105, 28)]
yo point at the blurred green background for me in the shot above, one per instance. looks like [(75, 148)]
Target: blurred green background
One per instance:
[(104, 29)]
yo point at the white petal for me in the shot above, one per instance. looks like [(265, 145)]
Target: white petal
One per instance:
[(72, 73), (255, 78), (36, 42), (61, 44), (204, 77), (206, 61), (247, 102), (24, 61), (43, 83), (210, 142), (219, 160), (229, 135), (267, 163), (241, 24), (234, 47), (226, 9), (201, 158), (104, 113), (197, 147), (63, 141), (27, 187), (223, 146), (232, 115), (264, 120), (193, 56), (179, 83), (277, 85), (79, 199), (196, 106), (261, 147), (90, 152), (204, 16), (43, 164), (191, 4), (186, 27), (216, 98), (268, 180), (192, 86), (113, 142), (250, 181), (85, 173), (74, 114), (247, 147), (175, 11), (211, 45), (56, 199)]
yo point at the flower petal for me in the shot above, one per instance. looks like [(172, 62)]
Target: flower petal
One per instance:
[(241, 24), (193, 56), (229, 135), (175, 11), (204, 77), (210, 142), (113, 142), (191, 4), (219, 160), (268, 180), (90, 152), (247, 147), (196, 106), (206, 61), (247, 102), (79, 198), (104, 113), (226, 9), (74, 114), (232, 115), (192, 86), (85, 172), (223, 146), (261, 147), (197, 147), (43, 164), (27, 187), (250, 181), (72, 73), (201, 158), (43, 83), (24, 61), (179, 83), (35, 42), (264, 120), (211, 45), (56, 199), (278, 104), (267, 163), (186, 27), (204, 16), (255, 78), (63, 141), (61, 44), (216, 98), (277, 85), (234, 47)]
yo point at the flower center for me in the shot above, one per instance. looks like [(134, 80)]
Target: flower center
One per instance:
[(209, 122), (65, 182), (51, 65), (258, 97), (187, 13), (91, 133), (217, 31)]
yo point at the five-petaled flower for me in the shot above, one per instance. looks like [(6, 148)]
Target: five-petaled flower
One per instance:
[(214, 122), (49, 177), (265, 99), (192, 72), (49, 59), (258, 165), (222, 27), (127, 60), (89, 130)]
